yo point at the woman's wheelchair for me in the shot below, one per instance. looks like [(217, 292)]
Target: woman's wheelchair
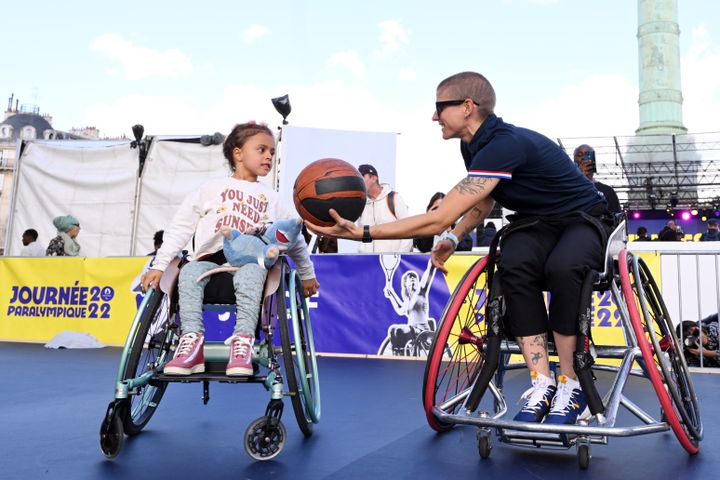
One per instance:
[(471, 329), (154, 335)]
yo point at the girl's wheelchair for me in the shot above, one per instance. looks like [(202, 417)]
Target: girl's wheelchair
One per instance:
[(471, 329), (154, 335)]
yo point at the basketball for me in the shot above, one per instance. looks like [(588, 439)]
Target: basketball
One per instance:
[(325, 184)]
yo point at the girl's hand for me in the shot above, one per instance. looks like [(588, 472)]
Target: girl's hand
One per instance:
[(310, 287)]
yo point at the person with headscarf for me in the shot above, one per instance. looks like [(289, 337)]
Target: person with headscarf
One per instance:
[(65, 243)]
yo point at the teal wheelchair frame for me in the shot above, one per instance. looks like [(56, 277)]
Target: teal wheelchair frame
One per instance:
[(153, 336)]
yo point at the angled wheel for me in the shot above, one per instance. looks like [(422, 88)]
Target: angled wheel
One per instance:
[(146, 351), (455, 356), (661, 351), (298, 351)]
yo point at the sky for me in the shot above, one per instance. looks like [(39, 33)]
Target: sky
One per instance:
[(566, 68)]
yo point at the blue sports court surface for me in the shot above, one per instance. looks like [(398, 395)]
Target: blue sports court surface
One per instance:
[(372, 427)]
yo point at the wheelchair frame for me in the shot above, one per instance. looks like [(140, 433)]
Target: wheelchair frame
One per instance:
[(140, 383), (471, 329)]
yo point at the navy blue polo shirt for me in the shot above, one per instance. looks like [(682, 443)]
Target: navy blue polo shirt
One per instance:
[(536, 175)]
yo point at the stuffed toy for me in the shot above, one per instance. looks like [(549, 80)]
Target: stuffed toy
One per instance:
[(262, 246)]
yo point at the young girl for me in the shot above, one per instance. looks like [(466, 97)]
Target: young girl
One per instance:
[(239, 202)]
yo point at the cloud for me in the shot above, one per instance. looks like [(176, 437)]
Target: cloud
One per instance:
[(700, 79), (408, 74), (254, 33), (137, 63), (597, 105), (348, 60), (392, 36), (160, 115)]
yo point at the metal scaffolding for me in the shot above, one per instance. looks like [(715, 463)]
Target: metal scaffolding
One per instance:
[(658, 171)]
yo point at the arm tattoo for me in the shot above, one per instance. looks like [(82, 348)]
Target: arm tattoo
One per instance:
[(471, 185)]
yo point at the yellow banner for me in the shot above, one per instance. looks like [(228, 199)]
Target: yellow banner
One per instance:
[(606, 325), (41, 297)]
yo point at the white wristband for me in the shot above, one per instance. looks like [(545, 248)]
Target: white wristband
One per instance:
[(450, 236)]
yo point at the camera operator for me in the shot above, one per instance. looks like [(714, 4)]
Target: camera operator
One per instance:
[(584, 157), (707, 335)]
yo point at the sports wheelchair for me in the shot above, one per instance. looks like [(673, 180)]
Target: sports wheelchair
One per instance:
[(154, 335), (417, 344), (471, 329)]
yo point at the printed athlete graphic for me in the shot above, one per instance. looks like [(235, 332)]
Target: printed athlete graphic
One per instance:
[(408, 338)]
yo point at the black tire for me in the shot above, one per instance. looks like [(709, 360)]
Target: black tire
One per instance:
[(265, 438), (149, 350), (484, 445), (111, 436), (291, 357), (583, 455)]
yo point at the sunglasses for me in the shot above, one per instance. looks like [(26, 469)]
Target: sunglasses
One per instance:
[(440, 106)]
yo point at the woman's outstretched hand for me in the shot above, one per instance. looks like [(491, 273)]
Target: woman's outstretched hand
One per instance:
[(342, 229)]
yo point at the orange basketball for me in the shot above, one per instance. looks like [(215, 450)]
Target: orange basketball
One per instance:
[(325, 184)]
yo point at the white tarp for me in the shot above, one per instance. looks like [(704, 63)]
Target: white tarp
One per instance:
[(302, 146), (172, 170), (97, 183), (93, 181)]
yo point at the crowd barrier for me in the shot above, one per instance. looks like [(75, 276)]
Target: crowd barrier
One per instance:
[(351, 314)]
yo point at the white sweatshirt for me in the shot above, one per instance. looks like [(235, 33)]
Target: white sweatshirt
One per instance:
[(378, 212), (230, 202)]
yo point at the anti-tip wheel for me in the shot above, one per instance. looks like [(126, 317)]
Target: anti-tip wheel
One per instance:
[(583, 454), (265, 438), (484, 444)]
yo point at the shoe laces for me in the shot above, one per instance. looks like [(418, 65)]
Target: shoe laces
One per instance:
[(240, 346), (564, 399), (187, 342), (534, 395)]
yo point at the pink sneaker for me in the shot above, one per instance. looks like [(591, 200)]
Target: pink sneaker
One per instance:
[(240, 363), (189, 356)]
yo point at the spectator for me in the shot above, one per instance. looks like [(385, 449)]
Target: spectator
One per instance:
[(642, 235), (322, 244), (65, 243), (704, 333), (157, 242), (383, 205), (584, 156), (712, 234), (325, 245), (485, 235), (425, 244), (31, 247), (669, 232)]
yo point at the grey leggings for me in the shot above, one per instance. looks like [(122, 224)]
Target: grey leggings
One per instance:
[(248, 281)]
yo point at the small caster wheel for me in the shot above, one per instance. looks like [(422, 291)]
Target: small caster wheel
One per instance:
[(484, 444), (265, 438), (583, 453), (112, 436)]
